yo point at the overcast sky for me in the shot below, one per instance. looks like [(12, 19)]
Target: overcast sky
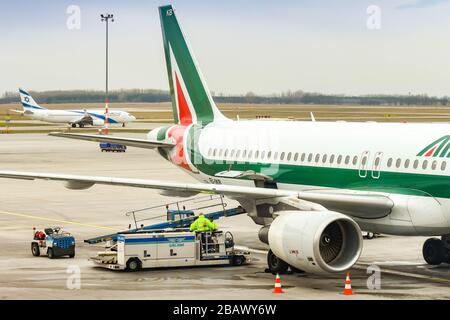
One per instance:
[(260, 46)]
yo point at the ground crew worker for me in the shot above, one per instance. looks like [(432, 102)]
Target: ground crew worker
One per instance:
[(202, 224)]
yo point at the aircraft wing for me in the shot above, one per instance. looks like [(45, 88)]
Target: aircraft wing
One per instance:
[(367, 205), (139, 143)]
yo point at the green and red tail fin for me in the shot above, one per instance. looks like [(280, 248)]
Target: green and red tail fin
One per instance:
[(191, 99)]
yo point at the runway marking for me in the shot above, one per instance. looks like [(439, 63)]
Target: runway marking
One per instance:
[(56, 220)]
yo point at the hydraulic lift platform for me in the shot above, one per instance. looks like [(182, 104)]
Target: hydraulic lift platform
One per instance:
[(177, 216)]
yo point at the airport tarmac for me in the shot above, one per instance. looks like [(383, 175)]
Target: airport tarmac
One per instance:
[(101, 210)]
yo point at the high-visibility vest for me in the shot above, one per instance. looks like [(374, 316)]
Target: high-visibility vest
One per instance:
[(202, 224)]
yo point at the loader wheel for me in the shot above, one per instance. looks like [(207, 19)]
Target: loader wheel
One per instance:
[(35, 249), (276, 265), (133, 264), (50, 253), (238, 260)]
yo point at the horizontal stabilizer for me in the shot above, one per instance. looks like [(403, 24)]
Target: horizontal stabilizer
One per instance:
[(130, 142)]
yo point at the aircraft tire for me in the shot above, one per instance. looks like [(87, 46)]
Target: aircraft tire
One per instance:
[(433, 251), (276, 265)]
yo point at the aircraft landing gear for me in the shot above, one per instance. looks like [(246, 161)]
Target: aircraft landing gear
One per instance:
[(436, 251), (276, 265), (74, 125), (123, 125)]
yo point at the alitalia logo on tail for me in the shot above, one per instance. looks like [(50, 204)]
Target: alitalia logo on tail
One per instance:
[(439, 148), (191, 99)]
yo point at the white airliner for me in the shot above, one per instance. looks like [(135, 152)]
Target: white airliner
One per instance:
[(93, 117), (312, 186)]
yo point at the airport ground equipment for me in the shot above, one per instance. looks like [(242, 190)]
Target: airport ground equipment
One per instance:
[(370, 235), (170, 248), (54, 242), (112, 147), (178, 214)]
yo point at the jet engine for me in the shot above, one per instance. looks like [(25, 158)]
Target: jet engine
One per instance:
[(315, 241)]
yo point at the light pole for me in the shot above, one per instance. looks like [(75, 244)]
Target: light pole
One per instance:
[(106, 18)]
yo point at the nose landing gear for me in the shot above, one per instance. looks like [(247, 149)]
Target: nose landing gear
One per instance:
[(436, 251)]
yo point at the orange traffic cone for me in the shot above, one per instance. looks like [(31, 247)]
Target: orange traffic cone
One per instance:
[(277, 288), (348, 286)]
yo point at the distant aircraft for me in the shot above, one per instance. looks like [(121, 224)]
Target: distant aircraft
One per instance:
[(83, 117), (311, 185)]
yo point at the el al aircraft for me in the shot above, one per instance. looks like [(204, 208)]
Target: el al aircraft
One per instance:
[(93, 117), (312, 186)]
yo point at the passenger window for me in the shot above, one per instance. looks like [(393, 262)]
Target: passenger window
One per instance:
[(332, 159), (244, 153), (289, 156), (416, 164), (238, 153), (317, 158), (250, 153), (424, 164), (377, 161), (310, 157), (263, 154), (226, 153), (355, 160), (220, 152), (269, 155), (434, 165), (303, 157), (364, 160), (282, 156), (398, 163), (389, 163), (214, 153), (443, 165), (339, 159), (406, 163), (296, 157), (232, 153), (347, 159), (324, 158)]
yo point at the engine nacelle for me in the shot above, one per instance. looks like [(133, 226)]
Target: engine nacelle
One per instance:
[(316, 241)]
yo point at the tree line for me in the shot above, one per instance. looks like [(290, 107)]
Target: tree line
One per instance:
[(288, 97)]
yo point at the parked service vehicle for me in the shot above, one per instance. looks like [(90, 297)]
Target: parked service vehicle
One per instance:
[(370, 235), (53, 242), (171, 248), (112, 147)]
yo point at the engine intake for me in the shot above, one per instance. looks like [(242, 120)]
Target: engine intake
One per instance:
[(315, 241)]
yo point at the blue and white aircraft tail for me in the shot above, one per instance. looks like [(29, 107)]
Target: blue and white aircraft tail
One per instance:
[(28, 101)]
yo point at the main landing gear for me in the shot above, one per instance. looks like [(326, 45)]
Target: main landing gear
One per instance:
[(436, 251), (276, 265)]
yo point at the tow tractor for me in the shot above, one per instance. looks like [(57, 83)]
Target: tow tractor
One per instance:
[(170, 248), (53, 242), (112, 147)]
